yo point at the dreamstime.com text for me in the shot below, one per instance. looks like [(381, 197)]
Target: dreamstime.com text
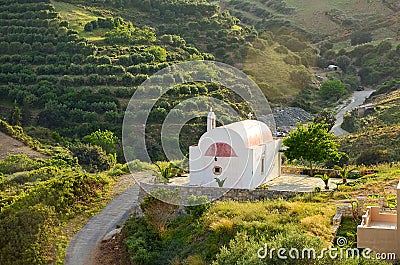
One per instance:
[(332, 252)]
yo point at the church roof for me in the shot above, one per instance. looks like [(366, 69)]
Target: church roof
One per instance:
[(252, 132)]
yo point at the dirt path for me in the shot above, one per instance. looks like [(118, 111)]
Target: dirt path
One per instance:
[(81, 248), (9, 145)]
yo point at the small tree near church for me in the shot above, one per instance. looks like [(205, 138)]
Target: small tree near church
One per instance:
[(312, 143)]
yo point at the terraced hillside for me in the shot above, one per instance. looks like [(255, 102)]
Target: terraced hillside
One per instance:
[(205, 26)]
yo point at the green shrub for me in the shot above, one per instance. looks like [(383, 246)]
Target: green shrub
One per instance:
[(141, 240), (241, 250), (67, 193), (197, 206), (43, 173), (62, 160), (17, 163), (27, 236), (92, 156)]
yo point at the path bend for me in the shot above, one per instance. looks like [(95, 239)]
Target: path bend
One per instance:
[(82, 246)]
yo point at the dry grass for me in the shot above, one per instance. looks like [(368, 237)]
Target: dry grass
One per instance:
[(272, 216)]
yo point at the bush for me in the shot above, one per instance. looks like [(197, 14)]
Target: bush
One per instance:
[(28, 226), (158, 213), (241, 250), (141, 240), (27, 236), (92, 156), (373, 157), (18, 163), (332, 89), (197, 206), (44, 173)]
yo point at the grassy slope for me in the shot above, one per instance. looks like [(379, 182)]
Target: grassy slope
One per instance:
[(311, 13), (271, 73), (77, 17)]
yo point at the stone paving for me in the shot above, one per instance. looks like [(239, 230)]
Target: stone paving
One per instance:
[(285, 182), (301, 183)]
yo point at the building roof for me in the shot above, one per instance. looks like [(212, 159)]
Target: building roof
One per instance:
[(252, 132)]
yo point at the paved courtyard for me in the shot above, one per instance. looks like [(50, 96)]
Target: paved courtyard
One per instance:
[(301, 183), (287, 182)]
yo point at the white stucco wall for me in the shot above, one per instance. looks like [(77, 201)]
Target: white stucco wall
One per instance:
[(243, 171)]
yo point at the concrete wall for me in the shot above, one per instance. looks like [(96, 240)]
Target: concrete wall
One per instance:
[(379, 240)]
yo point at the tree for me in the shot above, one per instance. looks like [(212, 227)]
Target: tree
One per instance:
[(105, 139), (312, 143), (327, 117), (92, 156), (16, 116), (360, 37), (343, 62), (332, 89)]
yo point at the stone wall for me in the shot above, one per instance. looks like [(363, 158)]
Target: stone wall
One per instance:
[(217, 193)]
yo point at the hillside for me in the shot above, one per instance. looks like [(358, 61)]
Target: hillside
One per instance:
[(215, 32), (376, 131), (320, 19), (68, 69)]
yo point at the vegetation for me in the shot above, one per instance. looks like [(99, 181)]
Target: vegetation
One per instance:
[(36, 215), (325, 178), (159, 210), (68, 69), (344, 172), (332, 89), (232, 232), (312, 143), (218, 231)]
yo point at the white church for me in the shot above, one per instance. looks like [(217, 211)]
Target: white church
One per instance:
[(241, 155)]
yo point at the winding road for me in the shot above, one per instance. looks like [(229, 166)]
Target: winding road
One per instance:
[(357, 99), (81, 248)]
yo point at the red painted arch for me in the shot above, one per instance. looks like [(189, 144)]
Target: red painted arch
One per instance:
[(221, 150)]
